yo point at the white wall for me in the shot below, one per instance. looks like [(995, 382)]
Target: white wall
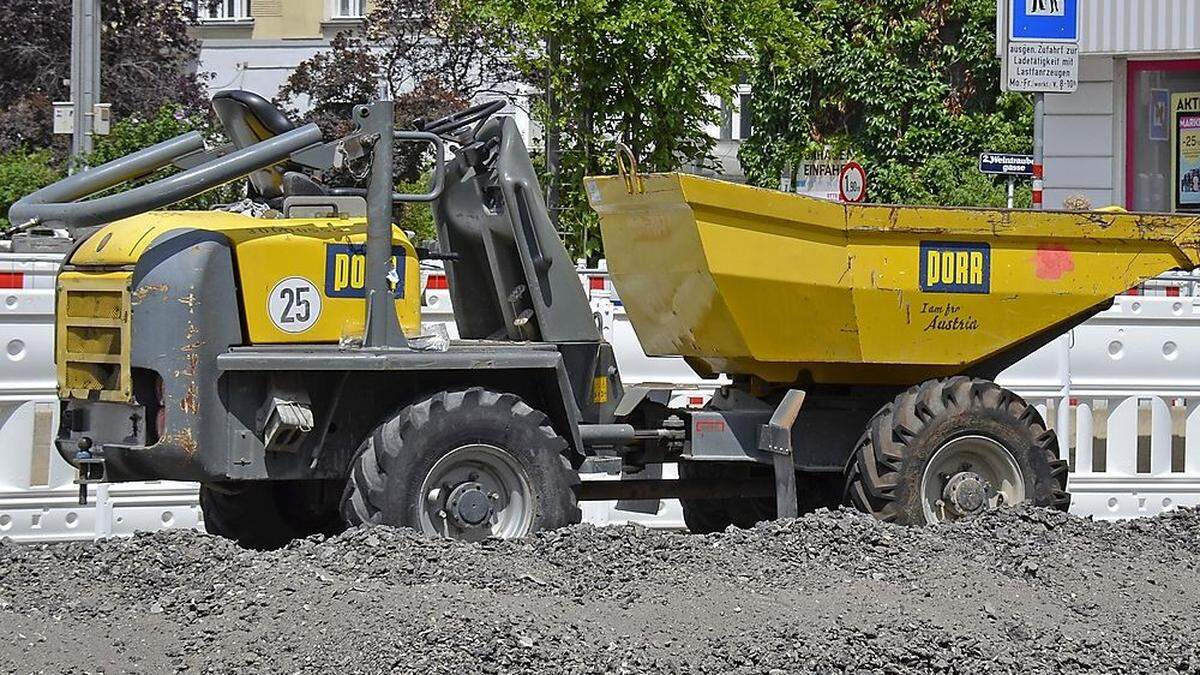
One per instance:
[(1085, 136), (260, 66)]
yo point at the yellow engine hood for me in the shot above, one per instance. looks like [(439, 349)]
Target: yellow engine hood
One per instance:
[(325, 252)]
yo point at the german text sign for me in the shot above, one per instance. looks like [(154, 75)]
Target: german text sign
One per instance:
[(1048, 67), (1001, 164)]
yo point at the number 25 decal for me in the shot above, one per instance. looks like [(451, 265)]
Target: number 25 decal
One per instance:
[(297, 309), (294, 305)]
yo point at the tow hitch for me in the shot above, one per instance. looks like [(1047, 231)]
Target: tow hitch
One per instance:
[(91, 469)]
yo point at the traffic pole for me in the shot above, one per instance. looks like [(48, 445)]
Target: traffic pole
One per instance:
[(1039, 150), (85, 70), (1011, 182)]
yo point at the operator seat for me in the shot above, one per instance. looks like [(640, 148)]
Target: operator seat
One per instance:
[(248, 119)]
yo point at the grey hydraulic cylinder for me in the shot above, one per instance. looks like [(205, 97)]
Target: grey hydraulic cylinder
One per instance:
[(169, 190)]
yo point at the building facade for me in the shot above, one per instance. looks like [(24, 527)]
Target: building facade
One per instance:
[(1119, 139), (256, 44)]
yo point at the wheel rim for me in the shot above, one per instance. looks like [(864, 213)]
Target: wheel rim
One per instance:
[(474, 492), (967, 476)]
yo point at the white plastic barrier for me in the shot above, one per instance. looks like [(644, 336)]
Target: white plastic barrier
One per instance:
[(1132, 426), (38, 498), (1130, 377)]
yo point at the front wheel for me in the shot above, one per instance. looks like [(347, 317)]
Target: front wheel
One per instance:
[(464, 465), (951, 448)]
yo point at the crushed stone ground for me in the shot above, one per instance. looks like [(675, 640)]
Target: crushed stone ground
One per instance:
[(1021, 590)]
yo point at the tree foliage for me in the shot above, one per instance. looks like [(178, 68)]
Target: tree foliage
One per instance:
[(431, 56), (147, 60), (22, 172), (907, 87), (644, 72), (453, 43)]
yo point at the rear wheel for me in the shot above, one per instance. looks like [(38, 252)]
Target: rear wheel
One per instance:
[(951, 448), (465, 465), (264, 514)]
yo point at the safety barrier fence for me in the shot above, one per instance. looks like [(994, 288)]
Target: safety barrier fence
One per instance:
[(1125, 386)]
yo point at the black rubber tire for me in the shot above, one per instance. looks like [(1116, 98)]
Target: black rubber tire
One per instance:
[(883, 476), (385, 479), (268, 514), (702, 516)]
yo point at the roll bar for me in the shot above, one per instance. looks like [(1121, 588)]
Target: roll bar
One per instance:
[(84, 183), (56, 204), (60, 205)]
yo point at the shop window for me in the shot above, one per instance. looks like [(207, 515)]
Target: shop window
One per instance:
[(1162, 148)]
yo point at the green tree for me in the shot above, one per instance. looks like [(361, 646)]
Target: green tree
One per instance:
[(22, 172), (417, 217), (910, 88), (643, 72), (147, 56)]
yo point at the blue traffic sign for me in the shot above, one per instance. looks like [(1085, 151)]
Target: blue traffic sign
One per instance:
[(1044, 20)]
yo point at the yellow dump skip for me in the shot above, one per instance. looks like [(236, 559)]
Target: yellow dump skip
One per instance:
[(744, 280)]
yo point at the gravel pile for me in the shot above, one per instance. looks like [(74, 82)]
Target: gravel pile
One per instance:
[(1019, 590)]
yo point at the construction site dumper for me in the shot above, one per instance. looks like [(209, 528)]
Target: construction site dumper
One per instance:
[(279, 360)]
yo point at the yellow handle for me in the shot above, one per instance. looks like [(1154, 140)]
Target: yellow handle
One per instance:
[(629, 173)]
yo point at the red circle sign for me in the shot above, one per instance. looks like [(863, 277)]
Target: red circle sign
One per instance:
[(852, 183)]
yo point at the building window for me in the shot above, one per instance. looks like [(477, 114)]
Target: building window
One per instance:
[(223, 10), (348, 9), (737, 115), (1162, 168)]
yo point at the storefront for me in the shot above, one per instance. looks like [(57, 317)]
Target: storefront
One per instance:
[(1162, 138), (1130, 135)]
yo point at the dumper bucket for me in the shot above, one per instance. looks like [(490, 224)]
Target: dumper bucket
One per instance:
[(748, 281)]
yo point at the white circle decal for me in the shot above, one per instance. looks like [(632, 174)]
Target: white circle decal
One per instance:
[(294, 305)]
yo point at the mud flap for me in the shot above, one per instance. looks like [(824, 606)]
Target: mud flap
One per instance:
[(775, 437)]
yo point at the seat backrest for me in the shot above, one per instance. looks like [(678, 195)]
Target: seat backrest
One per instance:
[(248, 119)]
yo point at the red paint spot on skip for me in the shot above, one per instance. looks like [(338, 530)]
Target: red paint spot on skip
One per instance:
[(1053, 261)]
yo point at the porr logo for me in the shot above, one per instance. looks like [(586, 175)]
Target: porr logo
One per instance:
[(346, 270), (955, 267)]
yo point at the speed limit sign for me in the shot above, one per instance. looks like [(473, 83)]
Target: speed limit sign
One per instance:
[(852, 183)]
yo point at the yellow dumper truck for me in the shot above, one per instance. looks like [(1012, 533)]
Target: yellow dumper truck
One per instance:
[(278, 359)]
